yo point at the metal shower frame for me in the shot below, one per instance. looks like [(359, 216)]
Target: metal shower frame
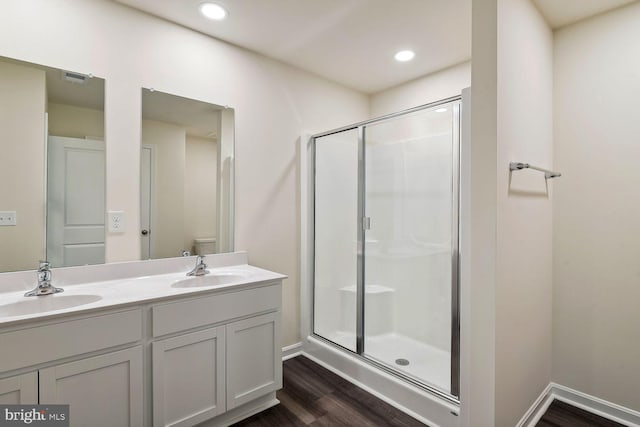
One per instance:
[(362, 220)]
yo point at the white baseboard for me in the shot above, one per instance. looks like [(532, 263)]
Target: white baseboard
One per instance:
[(595, 405), (598, 406), (291, 351), (539, 407)]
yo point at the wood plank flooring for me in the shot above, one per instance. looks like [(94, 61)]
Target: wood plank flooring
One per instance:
[(562, 414), (314, 396)]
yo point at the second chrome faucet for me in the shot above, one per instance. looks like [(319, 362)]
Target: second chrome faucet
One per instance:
[(200, 269)]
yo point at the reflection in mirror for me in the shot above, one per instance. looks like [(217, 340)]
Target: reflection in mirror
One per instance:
[(52, 167), (186, 176)]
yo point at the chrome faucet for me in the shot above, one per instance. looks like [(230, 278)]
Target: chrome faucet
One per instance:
[(200, 269), (44, 282)]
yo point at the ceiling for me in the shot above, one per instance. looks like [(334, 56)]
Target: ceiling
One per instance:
[(352, 42), (348, 41), (560, 13)]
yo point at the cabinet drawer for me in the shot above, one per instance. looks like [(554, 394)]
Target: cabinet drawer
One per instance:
[(28, 347), (183, 315)]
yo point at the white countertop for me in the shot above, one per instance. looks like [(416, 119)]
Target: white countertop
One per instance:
[(133, 285)]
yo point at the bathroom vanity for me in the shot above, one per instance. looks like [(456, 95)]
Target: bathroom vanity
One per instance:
[(142, 344)]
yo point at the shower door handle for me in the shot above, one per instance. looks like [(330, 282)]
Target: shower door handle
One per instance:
[(366, 223)]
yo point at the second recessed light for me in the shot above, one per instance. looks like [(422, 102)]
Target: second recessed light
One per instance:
[(213, 11), (404, 55)]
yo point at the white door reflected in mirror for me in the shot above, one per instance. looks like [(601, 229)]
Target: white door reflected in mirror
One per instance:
[(75, 201)]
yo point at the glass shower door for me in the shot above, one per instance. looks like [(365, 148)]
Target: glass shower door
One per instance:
[(336, 237), (411, 195)]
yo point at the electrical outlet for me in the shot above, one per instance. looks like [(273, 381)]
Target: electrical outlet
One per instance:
[(116, 221), (7, 218)]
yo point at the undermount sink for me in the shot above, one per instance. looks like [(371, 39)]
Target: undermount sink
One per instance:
[(43, 304), (212, 279)]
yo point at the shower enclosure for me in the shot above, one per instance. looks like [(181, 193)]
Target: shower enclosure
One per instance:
[(385, 243)]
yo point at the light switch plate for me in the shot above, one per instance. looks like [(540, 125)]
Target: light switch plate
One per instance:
[(7, 218), (116, 221)]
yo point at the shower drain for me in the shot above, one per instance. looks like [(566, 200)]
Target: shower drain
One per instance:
[(402, 362)]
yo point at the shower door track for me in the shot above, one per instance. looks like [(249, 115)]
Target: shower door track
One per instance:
[(454, 395), (387, 117)]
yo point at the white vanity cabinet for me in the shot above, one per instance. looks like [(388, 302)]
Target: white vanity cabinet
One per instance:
[(209, 357), (203, 374), (101, 390)]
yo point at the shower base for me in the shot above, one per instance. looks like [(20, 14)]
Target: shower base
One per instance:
[(427, 364), (424, 405)]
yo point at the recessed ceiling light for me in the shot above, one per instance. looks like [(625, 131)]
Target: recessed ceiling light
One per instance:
[(213, 11), (441, 110), (404, 55)]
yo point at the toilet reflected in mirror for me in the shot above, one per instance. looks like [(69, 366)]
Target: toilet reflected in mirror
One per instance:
[(186, 176)]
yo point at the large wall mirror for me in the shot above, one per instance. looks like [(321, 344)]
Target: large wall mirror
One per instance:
[(52, 167), (186, 176)]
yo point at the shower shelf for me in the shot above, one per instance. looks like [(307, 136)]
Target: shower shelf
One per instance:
[(516, 166)]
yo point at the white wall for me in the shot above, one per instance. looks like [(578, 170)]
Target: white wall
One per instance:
[(225, 204), (199, 195), (596, 218), (75, 122), (167, 208), (274, 104), (509, 279), (430, 88), (22, 140), (184, 199), (478, 321), (524, 237)]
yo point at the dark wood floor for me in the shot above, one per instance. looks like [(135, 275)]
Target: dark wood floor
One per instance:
[(314, 396), (562, 414)]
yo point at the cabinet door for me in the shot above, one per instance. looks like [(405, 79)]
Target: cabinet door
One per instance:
[(254, 358), (101, 391), (19, 390), (189, 378)]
